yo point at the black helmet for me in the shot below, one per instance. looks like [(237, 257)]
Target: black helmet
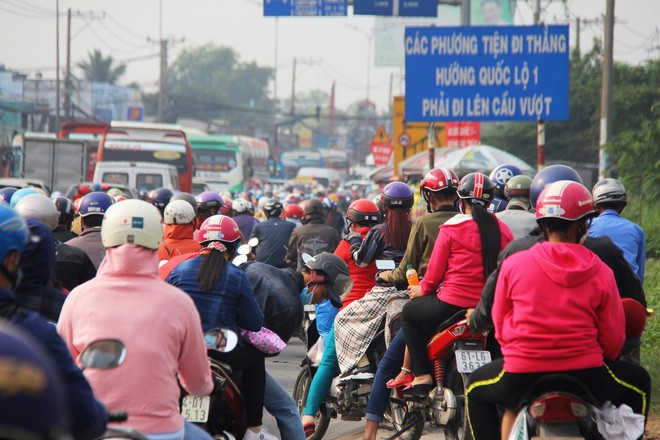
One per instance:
[(66, 210), (335, 274), (476, 187), (187, 197), (313, 206), (273, 207), (160, 198)]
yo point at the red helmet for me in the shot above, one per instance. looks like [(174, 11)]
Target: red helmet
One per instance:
[(219, 228), (565, 199), (436, 180), (226, 208), (363, 211), (293, 210)]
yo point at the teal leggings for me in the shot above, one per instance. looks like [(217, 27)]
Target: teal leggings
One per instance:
[(327, 370)]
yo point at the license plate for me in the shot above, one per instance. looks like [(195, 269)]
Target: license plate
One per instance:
[(469, 360), (196, 408)]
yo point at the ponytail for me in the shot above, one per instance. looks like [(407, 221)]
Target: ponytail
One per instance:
[(489, 230), (212, 268)]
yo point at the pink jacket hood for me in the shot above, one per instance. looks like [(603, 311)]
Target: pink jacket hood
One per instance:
[(464, 230), (569, 265)]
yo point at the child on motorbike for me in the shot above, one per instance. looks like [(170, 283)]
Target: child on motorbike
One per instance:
[(464, 254), (554, 287)]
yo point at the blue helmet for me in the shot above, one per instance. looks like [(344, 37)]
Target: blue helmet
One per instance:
[(501, 175), (18, 195), (13, 232), (550, 174), (6, 193), (160, 198), (95, 203), (397, 195)]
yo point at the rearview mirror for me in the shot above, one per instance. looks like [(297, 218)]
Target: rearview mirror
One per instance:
[(240, 259), (306, 257), (253, 242), (244, 249), (103, 354), (385, 265), (221, 339)]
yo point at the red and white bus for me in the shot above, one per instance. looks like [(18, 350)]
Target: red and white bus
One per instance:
[(146, 142)]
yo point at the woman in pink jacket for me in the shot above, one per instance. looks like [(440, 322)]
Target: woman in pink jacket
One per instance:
[(463, 256), (157, 322), (556, 309)]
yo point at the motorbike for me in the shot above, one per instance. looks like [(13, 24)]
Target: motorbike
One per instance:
[(222, 413), (455, 352)]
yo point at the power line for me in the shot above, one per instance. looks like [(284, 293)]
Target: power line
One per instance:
[(126, 29)]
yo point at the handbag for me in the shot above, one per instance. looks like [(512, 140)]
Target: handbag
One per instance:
[(264, 340)]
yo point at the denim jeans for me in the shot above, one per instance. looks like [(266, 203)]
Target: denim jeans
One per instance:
[(388, 367), (282, 406)]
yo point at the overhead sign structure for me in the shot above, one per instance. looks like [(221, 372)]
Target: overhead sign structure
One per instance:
[(381, 147), (400, 8), (495, 73), (278, 8)]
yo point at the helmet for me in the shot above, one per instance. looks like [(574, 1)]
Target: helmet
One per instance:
[(132, 221), (113, 192), (312, 207), (548, 175), (178, 212), (40, 207), (293, 210), (273, 207), (565, 199), (241, 205), (95, 203), (219, 228), (262, 201), (291, 198), (226, 208), (18, 195), (120, 198), (161, 197), (397, 195), (13, 232), (436, 180), (501, 175), (33, 404), (187, 197), (328, 203), (94, 187), (65, 209), (518, 187), (476, 187), (363, 211), (6, 193), (609, 190), (209, 200), (335, 274)]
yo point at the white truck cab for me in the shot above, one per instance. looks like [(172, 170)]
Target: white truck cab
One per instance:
[(143, 176)]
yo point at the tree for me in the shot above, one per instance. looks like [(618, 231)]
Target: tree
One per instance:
[(209, 83), (98, 68)]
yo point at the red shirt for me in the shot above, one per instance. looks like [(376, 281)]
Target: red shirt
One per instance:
[(363, 277)]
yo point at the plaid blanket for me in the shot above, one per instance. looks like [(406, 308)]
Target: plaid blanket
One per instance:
[(357, 324)]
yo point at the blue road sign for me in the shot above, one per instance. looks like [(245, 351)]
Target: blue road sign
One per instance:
[(494, 73), (273, 8), (402, 8)]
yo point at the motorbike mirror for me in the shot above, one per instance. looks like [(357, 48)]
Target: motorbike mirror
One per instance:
[(306, 257), (240, 259), (253, 242), (385, 265), (244, 249), (221, 339), (103, 354)]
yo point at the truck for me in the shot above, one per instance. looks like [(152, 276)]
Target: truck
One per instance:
[(59, 163), (143, 176)]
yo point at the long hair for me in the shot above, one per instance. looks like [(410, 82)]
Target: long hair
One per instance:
[(489, 230), (212, 268), (398, 227)]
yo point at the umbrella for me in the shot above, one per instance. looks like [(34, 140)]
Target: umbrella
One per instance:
[(482, 158)]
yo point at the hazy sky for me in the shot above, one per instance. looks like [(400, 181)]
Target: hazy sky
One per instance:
[(328, 49)]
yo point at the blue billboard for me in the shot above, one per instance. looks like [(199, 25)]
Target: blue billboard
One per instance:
[(493, 73), (279, 8), (401, 8)]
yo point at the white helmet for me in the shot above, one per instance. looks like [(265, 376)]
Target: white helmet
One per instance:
[(262, 201), (609, 190), (132, 221), (179, 212), (40, 207), (241, 205)]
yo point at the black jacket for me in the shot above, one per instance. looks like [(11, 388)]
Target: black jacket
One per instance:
[(273, 235), (72, 266), (312, 238)]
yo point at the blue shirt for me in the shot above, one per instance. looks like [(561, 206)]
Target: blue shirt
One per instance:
[(230, 304), (628, 236)]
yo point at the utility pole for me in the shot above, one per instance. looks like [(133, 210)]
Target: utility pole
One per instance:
[(293, 89), (606, 95), (67, 78), (540, 125), (162, 89), (578, 52), (57, 66)]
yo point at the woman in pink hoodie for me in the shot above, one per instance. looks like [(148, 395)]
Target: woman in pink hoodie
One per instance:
[(463, 256), (556, 309)]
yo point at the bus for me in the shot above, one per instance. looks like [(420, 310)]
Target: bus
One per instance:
[(336, 160), (228, 162), (146, 142), (293, 160), (88, 131)]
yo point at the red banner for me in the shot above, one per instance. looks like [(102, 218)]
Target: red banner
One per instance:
[(463, 134), (381, 147)]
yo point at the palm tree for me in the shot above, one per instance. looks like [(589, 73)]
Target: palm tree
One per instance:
[(98, 68)]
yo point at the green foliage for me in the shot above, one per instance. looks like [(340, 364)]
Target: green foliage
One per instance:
[(99, 68), (209, 83), (651, 337)]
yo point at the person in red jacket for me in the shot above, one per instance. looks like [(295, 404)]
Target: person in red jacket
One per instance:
[(556, 309), (179, 217)]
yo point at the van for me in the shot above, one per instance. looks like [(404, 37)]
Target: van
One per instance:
[(322, 176), (143, 176)]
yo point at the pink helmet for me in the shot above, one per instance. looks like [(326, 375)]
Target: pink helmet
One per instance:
[(565, 199), (219, 228)]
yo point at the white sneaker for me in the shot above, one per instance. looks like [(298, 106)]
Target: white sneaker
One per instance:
[(261, 435)]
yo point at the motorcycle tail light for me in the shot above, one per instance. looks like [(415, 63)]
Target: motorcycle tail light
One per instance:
[(458, 330), (557, 408)]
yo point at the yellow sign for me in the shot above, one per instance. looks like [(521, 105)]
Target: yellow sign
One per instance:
[(410, 138), (167, 155)]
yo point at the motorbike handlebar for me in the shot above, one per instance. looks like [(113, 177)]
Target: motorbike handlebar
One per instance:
[(120, 416)]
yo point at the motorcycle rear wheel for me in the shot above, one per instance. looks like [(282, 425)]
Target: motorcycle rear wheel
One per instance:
[(300, 392), (458, 428), (397, 414)]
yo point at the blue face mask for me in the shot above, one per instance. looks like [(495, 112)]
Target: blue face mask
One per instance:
[(305, 298)]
